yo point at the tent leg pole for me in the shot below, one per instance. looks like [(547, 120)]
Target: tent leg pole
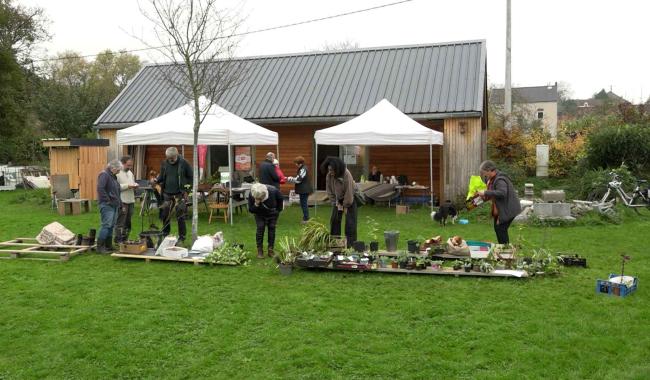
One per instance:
[(230, 184), (431, 174), (316, 180)]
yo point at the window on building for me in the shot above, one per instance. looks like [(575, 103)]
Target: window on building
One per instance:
[(540, 113)]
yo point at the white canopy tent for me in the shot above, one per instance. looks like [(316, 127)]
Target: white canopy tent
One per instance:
[(383, 124), (219, 127)]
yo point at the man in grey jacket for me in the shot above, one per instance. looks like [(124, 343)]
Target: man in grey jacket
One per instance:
[(108, 199), (505, 203)]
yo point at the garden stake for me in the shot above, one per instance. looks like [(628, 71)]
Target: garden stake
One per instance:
[(623, 260)]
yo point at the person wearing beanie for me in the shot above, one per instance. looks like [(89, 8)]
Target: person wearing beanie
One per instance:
[(502, 193), (266, 203)]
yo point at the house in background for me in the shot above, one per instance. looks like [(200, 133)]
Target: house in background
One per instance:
[(603, 101), (536, 103), (442, 86)]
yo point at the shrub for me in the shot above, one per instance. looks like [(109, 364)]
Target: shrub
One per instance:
[(592, 184), (612, 146)]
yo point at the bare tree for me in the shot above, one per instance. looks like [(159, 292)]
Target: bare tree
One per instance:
[(199, 40)]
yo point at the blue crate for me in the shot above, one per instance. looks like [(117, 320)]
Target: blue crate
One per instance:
[(615, 289)]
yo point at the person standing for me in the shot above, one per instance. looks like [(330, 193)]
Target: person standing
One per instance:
[(340, 186), (303, 186), (268, 175), (127, 195), (502, 193), (175, 180), (266, 203), (108, 200)]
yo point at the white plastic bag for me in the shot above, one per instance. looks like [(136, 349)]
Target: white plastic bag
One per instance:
[(203, 244), (169, 241), (217, 240)]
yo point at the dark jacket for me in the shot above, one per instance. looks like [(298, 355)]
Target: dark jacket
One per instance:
[(108, 189), (268, 175), (174, 178), (340, 190), (272, 206), (504, 195), (375, 177), (303, 184)]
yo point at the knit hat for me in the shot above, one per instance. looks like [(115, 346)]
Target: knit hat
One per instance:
[(259, 191)]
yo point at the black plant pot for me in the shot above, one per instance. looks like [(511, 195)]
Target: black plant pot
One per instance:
[(359, 246), (467, 269), (374, 246), (403, 264), (413, 246)]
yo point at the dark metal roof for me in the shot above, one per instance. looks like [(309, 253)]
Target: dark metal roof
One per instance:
[(538, 94), (446, 78)]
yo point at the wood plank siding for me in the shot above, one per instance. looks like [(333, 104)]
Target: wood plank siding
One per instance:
[(65, 160), (463, 153), (92, 160), (453, 163)]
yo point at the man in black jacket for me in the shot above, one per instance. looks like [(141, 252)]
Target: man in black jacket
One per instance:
[(268, 175), (175, 180), (266, 203)]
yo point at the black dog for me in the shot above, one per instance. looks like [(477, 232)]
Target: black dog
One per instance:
[(446, 210)]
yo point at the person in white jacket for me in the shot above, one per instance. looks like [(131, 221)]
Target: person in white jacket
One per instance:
[(127, 195)]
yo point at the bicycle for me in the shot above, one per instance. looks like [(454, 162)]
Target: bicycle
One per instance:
[(639, 198)]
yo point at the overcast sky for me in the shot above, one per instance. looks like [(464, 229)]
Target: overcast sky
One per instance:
[(589, 44)]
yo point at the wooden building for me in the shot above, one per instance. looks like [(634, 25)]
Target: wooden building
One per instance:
[(81, 159), (442, 86)]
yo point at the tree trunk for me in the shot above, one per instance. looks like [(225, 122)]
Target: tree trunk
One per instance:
[(195, 167)]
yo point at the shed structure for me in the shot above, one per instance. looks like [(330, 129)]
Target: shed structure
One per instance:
[(442, 86), (81, 160)]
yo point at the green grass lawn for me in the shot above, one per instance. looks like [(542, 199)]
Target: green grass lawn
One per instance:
[(101, 317)]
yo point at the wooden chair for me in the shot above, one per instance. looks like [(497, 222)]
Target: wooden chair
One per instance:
[(218, 199)]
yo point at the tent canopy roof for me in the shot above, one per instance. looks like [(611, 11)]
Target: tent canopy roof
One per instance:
[(219, 127), (383, 124)]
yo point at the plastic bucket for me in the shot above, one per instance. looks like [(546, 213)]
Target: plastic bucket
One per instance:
[(391, 237)]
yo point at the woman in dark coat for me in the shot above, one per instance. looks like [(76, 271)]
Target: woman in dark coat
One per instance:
[(266, 203)]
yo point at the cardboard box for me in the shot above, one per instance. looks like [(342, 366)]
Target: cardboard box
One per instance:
[(401, 209)]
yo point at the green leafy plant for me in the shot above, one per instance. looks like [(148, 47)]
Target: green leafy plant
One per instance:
[(315, 237), (288, 251), (373, 229), (228, 254)]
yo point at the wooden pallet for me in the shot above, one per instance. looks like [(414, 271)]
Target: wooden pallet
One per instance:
[(24, 248), (443, 272), (147, 257)]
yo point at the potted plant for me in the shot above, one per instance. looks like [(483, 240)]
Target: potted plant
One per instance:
[(413, 246), (486, 267), (315, 237), (228, 254), (393, 263), (421, 263), (457, 265), (373, 234), (411, 263), (286, 255), (467, 266), (402, 259), (359, 246), (436, 264)]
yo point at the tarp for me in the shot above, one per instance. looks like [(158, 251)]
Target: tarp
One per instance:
[(219, 127), (382, 124)]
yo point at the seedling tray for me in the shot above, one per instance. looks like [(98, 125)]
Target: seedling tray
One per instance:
[(614, 288), (574, 261), (316, 262), (350, 265)]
